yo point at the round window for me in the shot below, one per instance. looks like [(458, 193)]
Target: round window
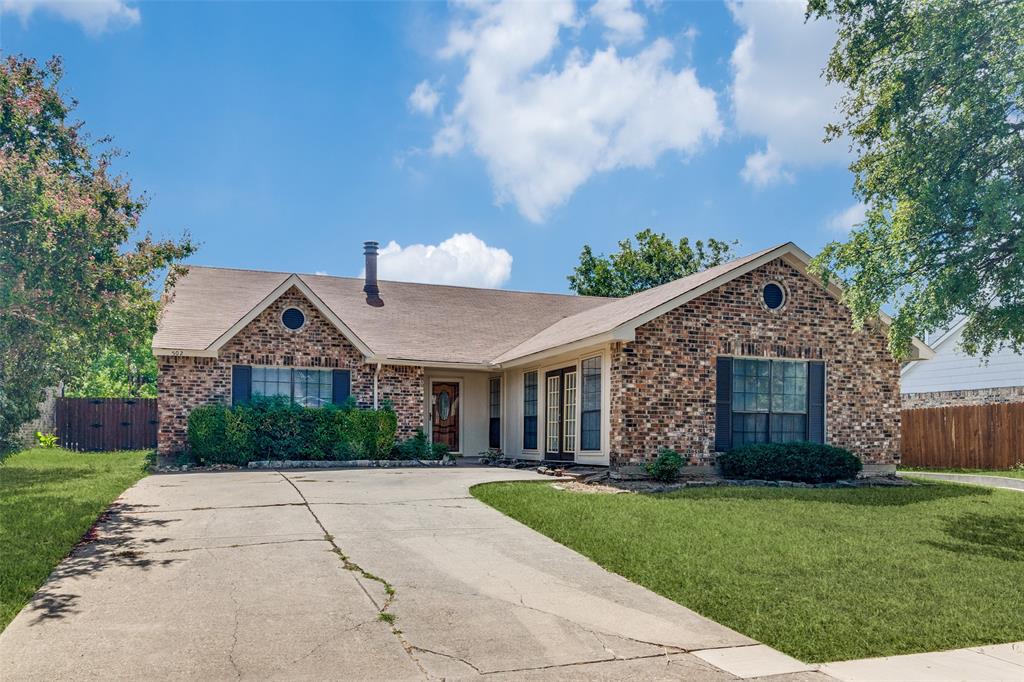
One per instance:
[(293, 319), (774, 296)]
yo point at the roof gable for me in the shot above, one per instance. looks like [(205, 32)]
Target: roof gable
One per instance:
[(619, 319), (419, 323), (207, 317)]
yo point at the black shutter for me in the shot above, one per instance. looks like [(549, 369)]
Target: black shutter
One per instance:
[(816, 402), (341, 386), (723, 404), (241, 384)]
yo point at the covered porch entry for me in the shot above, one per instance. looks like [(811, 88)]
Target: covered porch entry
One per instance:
[(463, 410)]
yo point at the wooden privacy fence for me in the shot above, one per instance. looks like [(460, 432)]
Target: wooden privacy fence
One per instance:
[(106, 423), (967, 436)]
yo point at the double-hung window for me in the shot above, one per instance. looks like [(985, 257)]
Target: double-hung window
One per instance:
[(768, 401), (305, 387), (494, 410), (590, 413), (530, 411)]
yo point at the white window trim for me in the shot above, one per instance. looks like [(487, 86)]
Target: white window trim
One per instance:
[(522, 405), (501, 410), (601, 408)]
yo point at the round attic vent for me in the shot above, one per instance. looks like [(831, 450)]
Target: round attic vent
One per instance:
[(773, 295), (293, 319)]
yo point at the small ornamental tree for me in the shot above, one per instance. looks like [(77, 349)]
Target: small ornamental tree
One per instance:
[(75, 274)]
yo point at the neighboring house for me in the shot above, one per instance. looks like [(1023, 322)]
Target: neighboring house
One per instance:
[(751, 350), (953, 377)]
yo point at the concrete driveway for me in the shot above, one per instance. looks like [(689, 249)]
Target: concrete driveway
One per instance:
[(283, 575)]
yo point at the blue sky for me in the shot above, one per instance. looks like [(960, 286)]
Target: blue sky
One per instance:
[(282, 135)]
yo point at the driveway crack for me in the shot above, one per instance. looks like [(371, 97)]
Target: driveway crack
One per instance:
[(234, 632), (382, 609)]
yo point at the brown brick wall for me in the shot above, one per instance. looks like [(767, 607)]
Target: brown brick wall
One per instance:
[(187, 382), (663, 383), (977, 396)]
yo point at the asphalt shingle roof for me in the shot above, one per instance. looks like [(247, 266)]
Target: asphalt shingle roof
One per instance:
[(418, 322)]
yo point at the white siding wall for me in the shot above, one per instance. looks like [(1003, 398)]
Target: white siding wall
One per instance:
[(951, 369), (473, 414), (512, 424)]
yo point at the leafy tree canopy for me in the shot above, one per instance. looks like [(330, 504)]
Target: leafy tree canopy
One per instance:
[(116, 374), (655, 260), (934, 112), (75, 277)]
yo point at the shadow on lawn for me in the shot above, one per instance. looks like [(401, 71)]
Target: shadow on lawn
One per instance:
[(866, 497), (999, 536), (111, 542), (20, 480)]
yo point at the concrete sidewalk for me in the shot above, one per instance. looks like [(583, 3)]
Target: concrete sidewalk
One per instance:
[(997, 663), (973, 479)]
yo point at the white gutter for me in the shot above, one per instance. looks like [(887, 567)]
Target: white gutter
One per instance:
[(376, 374)]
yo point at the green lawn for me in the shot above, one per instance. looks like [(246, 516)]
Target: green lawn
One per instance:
[(823, 575), (48, 500), (1008, 473)]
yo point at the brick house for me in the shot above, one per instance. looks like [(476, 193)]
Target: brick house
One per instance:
[(752, 350)]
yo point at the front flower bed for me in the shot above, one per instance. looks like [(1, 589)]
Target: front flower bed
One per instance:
[(274, 429)]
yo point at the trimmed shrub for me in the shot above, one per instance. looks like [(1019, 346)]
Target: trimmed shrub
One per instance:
[(419, 447), (275, 428), (207, 434), (665, 466), (803, 462)]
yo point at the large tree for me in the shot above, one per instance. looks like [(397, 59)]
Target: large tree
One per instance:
[(76, 275), (934, 112), (655, 260)]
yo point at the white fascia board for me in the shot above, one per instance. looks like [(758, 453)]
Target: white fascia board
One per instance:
[(796, 257), (710, 285), (431, 364), (616, 335), (289, 282)]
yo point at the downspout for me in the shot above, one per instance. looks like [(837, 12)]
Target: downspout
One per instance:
[(376, 374)]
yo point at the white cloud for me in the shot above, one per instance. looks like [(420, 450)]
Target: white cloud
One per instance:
[(778, 91), (462, 259), (543, 129), (424, 98), (623, 24), (94, 16), (844, 221), (764, 168)]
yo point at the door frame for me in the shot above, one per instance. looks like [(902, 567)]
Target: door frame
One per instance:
[(560, 456), (430, 408)]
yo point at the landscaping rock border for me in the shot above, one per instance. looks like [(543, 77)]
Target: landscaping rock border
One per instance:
[(634, 483), (176, 468), (656, 487), (349, 463)]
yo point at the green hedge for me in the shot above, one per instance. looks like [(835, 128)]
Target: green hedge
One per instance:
[(274, 428), (804, 462)]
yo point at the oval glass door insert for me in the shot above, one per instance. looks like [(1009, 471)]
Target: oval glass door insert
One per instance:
[(444, 405)]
